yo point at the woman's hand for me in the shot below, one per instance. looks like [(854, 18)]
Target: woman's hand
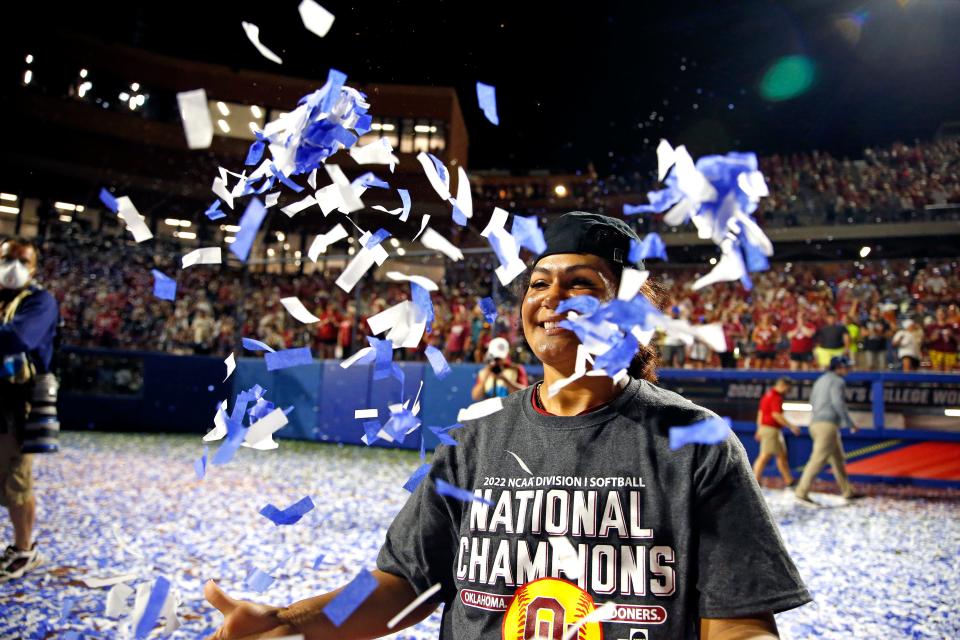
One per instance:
[(244, 620)]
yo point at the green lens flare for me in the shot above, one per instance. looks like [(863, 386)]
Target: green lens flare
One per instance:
[(787, 78)]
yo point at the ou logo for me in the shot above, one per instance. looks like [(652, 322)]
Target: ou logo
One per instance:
[(544, 609)]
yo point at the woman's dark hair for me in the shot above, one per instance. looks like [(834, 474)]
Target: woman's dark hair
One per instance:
[(644, 364)]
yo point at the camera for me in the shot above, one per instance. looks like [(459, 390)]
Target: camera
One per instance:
[(496, 367)]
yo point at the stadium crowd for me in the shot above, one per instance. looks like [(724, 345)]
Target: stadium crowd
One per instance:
[(898, 183), (886, 314)]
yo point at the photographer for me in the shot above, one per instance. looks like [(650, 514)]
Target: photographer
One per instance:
[(500, 377), (28, 324)]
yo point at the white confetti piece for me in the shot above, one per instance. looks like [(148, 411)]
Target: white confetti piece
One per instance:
[(195, 115), (253, 34), (295, 307)]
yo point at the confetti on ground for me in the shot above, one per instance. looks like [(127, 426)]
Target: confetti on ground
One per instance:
[(867, 582)]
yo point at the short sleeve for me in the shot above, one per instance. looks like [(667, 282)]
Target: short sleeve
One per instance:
[(421, 543), (743, 566)]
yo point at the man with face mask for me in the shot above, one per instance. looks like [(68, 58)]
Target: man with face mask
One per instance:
[(28, 324)]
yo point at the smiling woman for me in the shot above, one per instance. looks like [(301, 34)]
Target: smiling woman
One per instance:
[(571, 500)]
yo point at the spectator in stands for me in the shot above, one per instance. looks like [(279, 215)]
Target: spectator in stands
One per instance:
[(829, 414), (458, 337), (876, 334), (943, 339), (765, 337), (801, 343), (908, 342), (733, 332), (770, 425), (672, 349), (833, 340), (28, 325), (327, 329), (500, 377)]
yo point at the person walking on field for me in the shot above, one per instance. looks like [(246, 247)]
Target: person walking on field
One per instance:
[(829, 414), (770, 424)]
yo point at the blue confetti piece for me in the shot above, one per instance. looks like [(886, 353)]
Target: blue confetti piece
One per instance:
[(384, 357), (370, 180), (423, 446), (447, 489), (414, 480), (71, 635), (528, 234), (200, 465), (249, 227), (437, 362), (108, 200), (458, 215), (405, 199), (288, 358), (228, 449), (397, 373), (284, 179), (255, 153), (350, 598), (753, 256), (584, 305), (400, 424), (364, 123), (489, 309), (651, 246), (421, 297), (443, 436), (618, 356), (318, 561), (440, 167), (376, 238), (335, 81), (260, 410), (255, 345), (66, 607), (213, 211), (164, 287), (259, 581), (709, 431), (290, 515), (487, 98), (660, 201), (158, 596), (372, 428)]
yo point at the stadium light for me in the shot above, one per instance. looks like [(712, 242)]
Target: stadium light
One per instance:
[(185, 235), (223, 125), (713, 261), (83, 73), (952, 413), (124, 96), (134, 86), (560, 190), (65, 218), (230, 239), (5, 209), (229, 228), (256, 111), (66, 206), (797, 406), (400, 251), (271, 252), (280, 236), (222, 107), (79, 208), (172, 222), (864, 252), (253, 128), (394, 243), (27, 76), (29, 58), (9, 197)]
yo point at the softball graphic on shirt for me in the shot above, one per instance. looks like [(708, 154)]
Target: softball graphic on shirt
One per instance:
[(544, 609)]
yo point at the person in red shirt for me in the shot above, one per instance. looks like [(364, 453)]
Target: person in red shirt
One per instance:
[(801, 343), (942, 339), (770, 423), (327, 330), (765, 336)]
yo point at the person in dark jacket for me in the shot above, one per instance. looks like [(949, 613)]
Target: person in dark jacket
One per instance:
[(28, 325)]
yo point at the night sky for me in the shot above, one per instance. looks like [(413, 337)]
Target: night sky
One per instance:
[(599, 83)]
